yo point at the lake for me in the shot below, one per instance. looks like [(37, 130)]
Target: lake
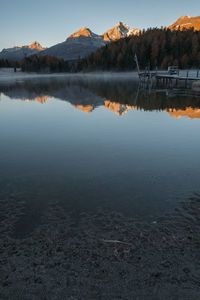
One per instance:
[(93, 143)]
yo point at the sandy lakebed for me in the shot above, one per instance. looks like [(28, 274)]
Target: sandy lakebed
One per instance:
[(100, 256)]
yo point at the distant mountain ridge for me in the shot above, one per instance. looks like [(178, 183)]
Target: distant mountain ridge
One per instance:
[(19, 52), (120, 30), (83, 42), (35, 46), (78, 45)]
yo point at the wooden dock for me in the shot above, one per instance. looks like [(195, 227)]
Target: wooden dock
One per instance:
[(181, 76), (166, 77)]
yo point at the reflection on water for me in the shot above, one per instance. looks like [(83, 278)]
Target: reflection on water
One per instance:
[(116, 96), (189, 112), (138, 160)]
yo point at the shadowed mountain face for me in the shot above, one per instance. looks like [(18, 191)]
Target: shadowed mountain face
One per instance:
[(186, 22), (78, 45), (75, 47), (116, 96)]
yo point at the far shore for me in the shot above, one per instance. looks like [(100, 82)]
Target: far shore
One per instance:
[(8, 75)]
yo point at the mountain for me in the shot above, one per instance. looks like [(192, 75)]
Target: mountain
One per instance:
[(83, 32), (35, 46), (19, 52), (120, 30), (79, 44), (186, 22), (83, 42)]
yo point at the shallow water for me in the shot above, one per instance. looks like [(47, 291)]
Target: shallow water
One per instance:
[(90, 144)]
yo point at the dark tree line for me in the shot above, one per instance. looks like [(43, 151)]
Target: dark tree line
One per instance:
[(44, 64), (154, 48), (34, 63), (7, 63)]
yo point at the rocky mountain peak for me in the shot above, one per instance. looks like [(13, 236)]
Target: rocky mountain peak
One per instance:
[(85, 31), (122, 26), (36, 45), (119, 31)]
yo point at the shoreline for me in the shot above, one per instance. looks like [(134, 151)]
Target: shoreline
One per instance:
[(9, 76)]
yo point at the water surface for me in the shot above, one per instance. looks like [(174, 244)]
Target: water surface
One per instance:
[(90, 144)]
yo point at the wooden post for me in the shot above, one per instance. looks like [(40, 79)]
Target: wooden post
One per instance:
[(137, 64)]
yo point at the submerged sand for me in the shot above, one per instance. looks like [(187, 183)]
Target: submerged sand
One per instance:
[(100, 256)]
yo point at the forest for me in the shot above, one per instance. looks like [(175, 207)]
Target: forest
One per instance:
[(7, 63), (155, 48), (40, 64), (44, 64)]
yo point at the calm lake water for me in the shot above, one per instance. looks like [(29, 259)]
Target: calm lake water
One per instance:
[(91, 144)]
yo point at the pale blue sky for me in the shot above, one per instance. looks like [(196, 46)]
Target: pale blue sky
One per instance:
[(50, 22)]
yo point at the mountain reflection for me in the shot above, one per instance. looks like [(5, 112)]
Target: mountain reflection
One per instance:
[(117, 96)]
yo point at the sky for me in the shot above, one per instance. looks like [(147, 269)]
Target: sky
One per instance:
[(50, 22)]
